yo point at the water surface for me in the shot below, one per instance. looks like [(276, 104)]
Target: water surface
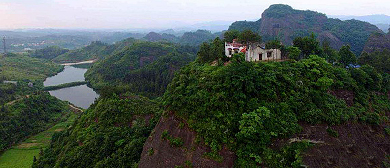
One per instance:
[(81, 96), (68, 75)]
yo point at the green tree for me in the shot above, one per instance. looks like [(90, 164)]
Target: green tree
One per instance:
[(217, 49), (273, 44), (347, 57), (294, 52), (249, 36), (329, 53), (308, 45), (230, 35), (204, 53)]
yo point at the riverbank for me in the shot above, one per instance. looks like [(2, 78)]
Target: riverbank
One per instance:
[(65, 85)]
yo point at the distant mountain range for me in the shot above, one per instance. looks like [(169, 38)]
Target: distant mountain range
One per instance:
[(381, 21)]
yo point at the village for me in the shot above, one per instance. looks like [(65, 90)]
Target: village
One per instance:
[(253, 51)]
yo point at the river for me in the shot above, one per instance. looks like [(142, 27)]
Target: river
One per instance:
[(81, 96)]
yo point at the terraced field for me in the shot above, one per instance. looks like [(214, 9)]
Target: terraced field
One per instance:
[(22, 155)]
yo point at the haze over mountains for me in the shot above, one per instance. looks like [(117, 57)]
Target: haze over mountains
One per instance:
[(381, 21)]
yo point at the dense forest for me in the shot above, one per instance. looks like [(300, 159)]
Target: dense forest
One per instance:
[(29, 116), (285, 23), (379, 59), (145, 67), (111, 133), (377, 42)]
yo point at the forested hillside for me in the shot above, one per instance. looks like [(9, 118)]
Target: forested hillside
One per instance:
[(144, 68), (286, 23), (96, 50), (24, 110), (194, 38), (23, 69), (93, 51), (247, 107), (28, 116), (378, 59), (110, 133), (377, 42), (49, 52)]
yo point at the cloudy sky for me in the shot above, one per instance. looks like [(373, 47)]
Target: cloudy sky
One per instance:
[(127, 14)]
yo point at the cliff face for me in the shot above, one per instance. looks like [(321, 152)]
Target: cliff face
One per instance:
[(283, 21), (161, 152), (286, 23)]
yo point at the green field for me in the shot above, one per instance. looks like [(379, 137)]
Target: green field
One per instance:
[(22, 155), (19, 67)]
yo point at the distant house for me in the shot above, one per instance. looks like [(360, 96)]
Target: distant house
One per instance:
[(30, 84), (253, 52)]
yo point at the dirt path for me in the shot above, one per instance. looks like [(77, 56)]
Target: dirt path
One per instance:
[(14, 101)]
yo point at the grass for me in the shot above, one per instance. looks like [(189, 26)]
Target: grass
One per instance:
[(18, 158), (22, 155)]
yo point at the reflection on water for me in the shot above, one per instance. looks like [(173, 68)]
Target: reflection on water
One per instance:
[(81, 96), (69, 74)]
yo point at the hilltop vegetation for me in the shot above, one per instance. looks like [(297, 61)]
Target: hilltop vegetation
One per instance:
[(247, 106), (286, 23), (144, 68), (110, 133)]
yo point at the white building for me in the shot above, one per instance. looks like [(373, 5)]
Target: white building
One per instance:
[(234, 48), (257, 53), (253, 52)]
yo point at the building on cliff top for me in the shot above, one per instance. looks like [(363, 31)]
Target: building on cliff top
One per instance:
[(253, 52)]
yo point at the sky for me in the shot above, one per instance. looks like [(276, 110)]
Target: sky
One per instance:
[(141, 14)]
